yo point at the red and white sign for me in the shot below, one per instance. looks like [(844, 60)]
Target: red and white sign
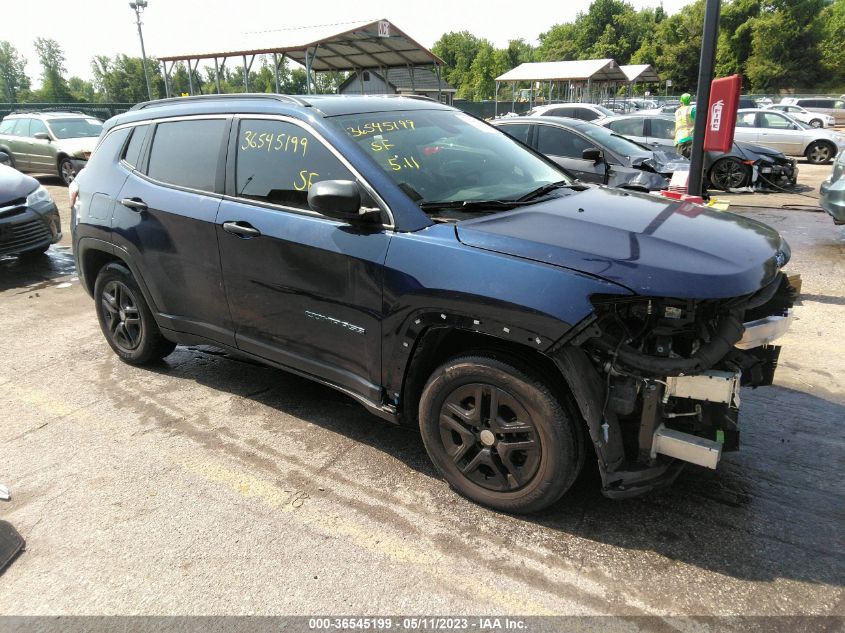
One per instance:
[(384, 28), (721, 115)]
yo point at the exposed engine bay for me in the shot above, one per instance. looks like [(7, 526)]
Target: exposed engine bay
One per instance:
[(672, 371)]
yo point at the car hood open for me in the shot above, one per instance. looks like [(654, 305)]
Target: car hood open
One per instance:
[(651, 245)]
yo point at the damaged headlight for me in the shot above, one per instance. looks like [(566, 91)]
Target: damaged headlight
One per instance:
[(38, 197)]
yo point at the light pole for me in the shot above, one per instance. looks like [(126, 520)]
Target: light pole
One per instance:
[(138, 6)]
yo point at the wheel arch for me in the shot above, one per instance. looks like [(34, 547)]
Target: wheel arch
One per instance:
[(94, 254)]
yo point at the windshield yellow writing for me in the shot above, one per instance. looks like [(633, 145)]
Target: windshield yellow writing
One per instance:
[(379, 127)]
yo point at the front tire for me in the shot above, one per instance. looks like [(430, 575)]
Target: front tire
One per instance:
[(820, 152), (499, 435), (816, 123), (126, 320), (66, 172), (729, 173)]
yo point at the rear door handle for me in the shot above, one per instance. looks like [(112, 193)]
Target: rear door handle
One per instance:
[(136, 204), (241, 229)]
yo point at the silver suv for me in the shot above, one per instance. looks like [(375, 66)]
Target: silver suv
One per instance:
[(49, 142)]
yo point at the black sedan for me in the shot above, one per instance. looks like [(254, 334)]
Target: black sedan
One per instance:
[(745, 166), (596, 154)]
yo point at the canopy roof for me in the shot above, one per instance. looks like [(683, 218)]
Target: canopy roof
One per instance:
[(640, 72), (579, 70), (356, 45)]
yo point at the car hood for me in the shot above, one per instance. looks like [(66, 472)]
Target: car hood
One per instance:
[(77, 146), (648, 244), (748, 150), (14, 184)]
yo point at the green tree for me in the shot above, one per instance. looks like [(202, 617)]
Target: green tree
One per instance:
[(121, 80), (13, 78), (831, 48), (458, 51), (54, 86), (786, 39)]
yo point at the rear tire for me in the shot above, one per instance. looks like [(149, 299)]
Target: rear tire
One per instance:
[(499, 435), (820, 152), (729, 173), (125, 319)]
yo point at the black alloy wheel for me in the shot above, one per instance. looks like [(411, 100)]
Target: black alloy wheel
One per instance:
[(500, 434), (490, 436), (729, 173), (123, 319)]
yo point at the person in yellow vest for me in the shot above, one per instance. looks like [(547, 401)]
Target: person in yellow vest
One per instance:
[(684, 126)]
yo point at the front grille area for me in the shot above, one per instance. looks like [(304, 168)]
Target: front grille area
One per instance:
[(21, 237), (12, 207)]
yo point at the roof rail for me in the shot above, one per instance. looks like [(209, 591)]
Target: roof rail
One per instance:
[(238, 95)]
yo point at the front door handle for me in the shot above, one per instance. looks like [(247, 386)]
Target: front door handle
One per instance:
[(136, 204), (241, 229)]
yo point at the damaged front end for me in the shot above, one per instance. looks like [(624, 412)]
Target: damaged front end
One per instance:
[(658, 379)]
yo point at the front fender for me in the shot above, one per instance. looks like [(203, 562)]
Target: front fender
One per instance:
[(432, 279)]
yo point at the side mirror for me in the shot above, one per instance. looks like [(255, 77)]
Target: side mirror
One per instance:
[(341, 200), (593, 154), (41, 136)]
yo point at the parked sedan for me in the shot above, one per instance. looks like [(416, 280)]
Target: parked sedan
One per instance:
[(746, 165), (813, 119), (832, 196), (779, 131), (595, 154), (29, 219), (822, 105)]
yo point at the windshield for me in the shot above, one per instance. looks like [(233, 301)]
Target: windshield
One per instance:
[(75, 128), (612, 141), (440, 156)]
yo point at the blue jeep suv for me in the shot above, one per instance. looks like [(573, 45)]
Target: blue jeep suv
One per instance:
[(442, 274)]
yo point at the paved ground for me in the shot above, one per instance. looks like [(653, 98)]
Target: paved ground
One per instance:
[(211, 485)]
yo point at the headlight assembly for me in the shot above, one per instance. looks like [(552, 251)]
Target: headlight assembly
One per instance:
[(38, 196)]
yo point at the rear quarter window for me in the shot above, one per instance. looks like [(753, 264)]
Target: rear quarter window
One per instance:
[(7, 126), (187, 153)]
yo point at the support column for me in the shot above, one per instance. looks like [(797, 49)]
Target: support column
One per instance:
[(276, 71), (246, 76), (496, 101), (217, 75), (439, 83), (702, 97), (166, 78), (307, 72), (190, 79)]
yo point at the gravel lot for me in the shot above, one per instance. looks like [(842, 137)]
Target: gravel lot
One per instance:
[(209, 485)]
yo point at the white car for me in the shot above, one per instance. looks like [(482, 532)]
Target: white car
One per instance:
[(777, 130), (583, 111), (813, 119)]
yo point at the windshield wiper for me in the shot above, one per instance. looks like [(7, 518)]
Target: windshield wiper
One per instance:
[(541, 191), (471, 205)]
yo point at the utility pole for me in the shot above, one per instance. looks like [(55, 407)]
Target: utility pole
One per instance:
[(138, 6), (702, 96)]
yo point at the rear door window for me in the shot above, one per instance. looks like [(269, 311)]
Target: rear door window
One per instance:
[(559, 142), (746, 119), (520, 131), (187, 153), (628, 127), (21, 127), (278, 162), (586, 114), (663, 129), (775, 121), (7, 126), (567, 112)]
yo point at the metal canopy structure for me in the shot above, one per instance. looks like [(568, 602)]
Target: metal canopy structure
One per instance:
[(640, 72), (358, 46), (579, 70), (569, 80)]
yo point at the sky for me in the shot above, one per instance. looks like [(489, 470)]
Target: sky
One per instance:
[(85, 28)]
